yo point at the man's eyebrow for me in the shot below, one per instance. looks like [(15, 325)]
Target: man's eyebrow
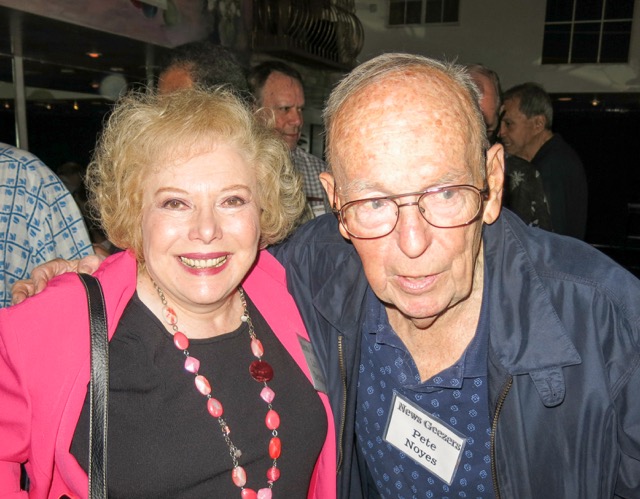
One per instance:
[(359, 185)]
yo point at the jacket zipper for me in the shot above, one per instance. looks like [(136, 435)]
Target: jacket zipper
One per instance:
[(494, 426), (343, 377)]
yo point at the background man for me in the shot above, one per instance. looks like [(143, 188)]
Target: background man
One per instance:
[(278, 87), (523, 192), (207, 64), (526, 132), (465, 354), (204, 63), (39, 219)]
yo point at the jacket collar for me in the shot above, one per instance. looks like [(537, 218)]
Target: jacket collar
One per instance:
[(526, 332), (340, 300)]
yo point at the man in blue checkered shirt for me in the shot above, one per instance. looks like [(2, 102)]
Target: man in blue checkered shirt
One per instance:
[(39, 220)]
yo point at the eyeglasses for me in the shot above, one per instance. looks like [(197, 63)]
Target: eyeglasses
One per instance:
[(443, 207)]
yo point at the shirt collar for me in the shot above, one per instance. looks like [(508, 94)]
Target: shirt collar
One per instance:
[(472, 363)]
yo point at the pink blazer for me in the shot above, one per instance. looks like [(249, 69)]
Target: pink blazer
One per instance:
[(44, 371)]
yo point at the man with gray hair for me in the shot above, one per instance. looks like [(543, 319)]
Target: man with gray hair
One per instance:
[(465, 354), (526, 131), (523, 191)]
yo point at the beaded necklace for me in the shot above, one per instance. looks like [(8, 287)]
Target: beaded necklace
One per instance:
[(261, 371)]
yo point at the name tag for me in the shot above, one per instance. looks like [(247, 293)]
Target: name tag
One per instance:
[(424, 438), (317, 377)]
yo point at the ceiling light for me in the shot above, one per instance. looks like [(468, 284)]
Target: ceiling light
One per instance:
[(94, 55)]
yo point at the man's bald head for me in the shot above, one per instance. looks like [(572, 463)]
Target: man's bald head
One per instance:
[(416, 90)]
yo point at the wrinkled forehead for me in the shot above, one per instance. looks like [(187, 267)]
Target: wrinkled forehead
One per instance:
[(412, 119)]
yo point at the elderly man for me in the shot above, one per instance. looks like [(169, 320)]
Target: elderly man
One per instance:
[(523, 191), (473, 356), (465, 354), (277, 87), (525, 131)]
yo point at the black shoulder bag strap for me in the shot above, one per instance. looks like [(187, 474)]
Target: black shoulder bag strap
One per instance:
[(98, 388)]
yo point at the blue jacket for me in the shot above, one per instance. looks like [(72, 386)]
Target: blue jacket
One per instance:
[(563, 364)]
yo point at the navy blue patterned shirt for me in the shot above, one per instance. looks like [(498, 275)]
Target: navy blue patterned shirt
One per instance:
[(457, 396)]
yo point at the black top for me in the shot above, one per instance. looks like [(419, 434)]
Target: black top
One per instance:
[(565, 185), (162, 442)]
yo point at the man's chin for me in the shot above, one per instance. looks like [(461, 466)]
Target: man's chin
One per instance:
[(292, 141)]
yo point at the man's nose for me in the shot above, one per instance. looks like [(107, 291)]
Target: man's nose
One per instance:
[(295, 117), (502, 130), (414, 232)]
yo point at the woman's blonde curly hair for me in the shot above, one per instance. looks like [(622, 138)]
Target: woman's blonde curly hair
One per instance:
[(146, 131)]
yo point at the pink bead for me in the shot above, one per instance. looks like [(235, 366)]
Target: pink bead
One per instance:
[(272, 420), (192, 364), (170, 315), (214, 407), (202, 384), (248, 494), (239, 476), (264, 494), (261, 371), (267, 394), (273, 474), (275, 447), (256, 348), (180, 341)]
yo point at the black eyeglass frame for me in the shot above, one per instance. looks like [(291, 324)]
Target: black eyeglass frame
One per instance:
[(482, 193)]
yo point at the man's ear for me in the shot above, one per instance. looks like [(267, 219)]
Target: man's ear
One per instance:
[(539, 122), (329, 184), (495, 182)]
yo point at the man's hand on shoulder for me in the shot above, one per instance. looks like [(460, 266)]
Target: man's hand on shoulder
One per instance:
[(42, 274)]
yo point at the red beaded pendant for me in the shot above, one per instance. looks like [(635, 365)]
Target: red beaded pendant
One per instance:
[(261, 371)]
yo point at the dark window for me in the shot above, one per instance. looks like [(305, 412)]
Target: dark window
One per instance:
[(615, 42), (559, 10), (441, 11), (587, 31), (586, 37), (618, 10), (590, 10), (557, 42), (402, 12)]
